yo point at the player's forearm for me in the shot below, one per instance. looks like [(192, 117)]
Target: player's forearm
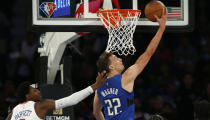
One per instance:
[(74, 98)]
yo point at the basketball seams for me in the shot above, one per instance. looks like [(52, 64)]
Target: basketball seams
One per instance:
[(148, 14)]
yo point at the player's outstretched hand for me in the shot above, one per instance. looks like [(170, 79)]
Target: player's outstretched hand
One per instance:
[(101, 78), (163, 19)]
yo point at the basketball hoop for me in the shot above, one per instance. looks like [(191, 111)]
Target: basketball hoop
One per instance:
[(121, 24)]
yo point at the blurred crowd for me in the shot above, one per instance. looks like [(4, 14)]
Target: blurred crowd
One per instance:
[(177, 76)]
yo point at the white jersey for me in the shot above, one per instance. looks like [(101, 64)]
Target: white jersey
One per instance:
[(25, 111)]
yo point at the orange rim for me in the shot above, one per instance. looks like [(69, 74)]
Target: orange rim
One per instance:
[(115, 13)]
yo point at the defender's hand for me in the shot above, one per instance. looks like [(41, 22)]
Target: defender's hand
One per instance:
[(100, 80)]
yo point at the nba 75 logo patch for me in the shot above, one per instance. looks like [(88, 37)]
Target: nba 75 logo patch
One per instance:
[(48, 8)]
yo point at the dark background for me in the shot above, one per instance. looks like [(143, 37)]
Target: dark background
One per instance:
[(176, 77)]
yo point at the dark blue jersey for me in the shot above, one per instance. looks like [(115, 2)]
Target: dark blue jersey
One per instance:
[(117, 103)]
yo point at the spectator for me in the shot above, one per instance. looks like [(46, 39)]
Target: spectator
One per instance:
[(186, 97)]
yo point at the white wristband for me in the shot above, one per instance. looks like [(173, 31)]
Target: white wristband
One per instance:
[(74, 98)]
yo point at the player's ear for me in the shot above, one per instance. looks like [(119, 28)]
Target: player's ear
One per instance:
[(111, 67)]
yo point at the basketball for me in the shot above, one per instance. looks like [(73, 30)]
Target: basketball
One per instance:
[(153, 8)]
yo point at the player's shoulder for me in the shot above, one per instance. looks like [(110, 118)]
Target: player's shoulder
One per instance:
[(28, 103)]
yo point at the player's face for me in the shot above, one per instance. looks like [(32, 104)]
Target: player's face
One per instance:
[(116, 63), (35, 94)]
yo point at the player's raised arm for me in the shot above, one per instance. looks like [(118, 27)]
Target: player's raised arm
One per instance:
[(132, 72), (44, 106)]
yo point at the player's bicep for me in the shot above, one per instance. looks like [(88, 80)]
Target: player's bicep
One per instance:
[(130, 73), (128, 78)]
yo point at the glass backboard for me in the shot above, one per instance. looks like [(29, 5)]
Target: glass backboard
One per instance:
[(74, 15)]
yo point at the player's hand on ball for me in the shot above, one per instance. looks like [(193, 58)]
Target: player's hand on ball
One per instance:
[(163, 19)]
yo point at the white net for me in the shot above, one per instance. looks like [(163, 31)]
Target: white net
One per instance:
[(121, 26)]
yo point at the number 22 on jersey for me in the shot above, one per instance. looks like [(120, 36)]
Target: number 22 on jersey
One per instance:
[(113, 106)]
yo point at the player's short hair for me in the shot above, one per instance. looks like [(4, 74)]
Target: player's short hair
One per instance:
[(23, 89), (104, 62)]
